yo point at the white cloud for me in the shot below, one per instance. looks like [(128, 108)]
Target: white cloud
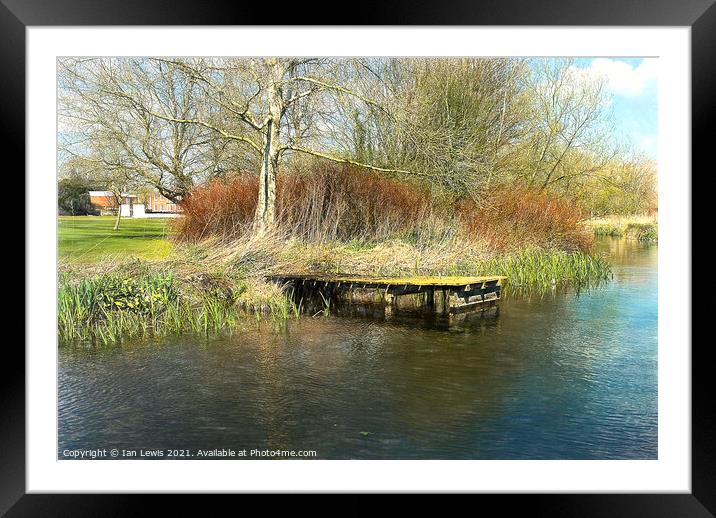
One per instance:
[(621, 77), (648, 145)]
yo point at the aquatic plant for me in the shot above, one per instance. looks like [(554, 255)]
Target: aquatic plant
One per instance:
[(537, 268), (107, 308), (326, 305), (641, 228), (644, 232)]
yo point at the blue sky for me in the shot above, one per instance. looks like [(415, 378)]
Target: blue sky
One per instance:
[(633, 85)]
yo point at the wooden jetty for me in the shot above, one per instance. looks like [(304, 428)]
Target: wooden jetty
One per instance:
[(441, 295)]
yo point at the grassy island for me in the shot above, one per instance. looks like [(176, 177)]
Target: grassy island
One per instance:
[(207, 272)]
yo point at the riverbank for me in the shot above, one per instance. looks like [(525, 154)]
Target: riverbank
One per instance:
[(212, 287), (641, 228)]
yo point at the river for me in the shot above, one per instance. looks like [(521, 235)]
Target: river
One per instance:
[(564, 375)]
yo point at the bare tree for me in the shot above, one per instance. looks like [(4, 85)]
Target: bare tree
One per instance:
[(92, 168), (105, 101), (454, 121), (568, 131), (273, 106), (462, 125)]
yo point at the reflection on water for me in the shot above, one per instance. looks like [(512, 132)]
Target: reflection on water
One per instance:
[(558, 376)]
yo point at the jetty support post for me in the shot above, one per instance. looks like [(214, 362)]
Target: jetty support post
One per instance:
[(430, 298), (390, 301)]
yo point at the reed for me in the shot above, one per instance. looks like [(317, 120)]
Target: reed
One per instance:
[(108, 308), (644, 232), (539, 269), (640, 227)]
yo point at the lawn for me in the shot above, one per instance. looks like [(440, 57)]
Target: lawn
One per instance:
[(89, 239)]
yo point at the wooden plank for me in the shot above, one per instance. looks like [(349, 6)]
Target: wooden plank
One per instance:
[(474, 305), (367, 281)]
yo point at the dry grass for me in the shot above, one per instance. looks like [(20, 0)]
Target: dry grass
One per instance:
[(622, 221)]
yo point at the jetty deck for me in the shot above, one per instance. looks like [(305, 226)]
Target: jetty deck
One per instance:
[(437, 294)]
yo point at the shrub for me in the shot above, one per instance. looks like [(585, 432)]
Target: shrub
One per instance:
[(219, 208), (340, 202), (516, 216), (73, 198), (344, 203), (333, 202)]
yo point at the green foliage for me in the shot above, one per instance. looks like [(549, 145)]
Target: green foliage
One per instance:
[(73, 197), (539, 268), (135, 295), (607, 229), (622, 186)]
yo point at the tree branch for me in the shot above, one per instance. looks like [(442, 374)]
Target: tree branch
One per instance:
[(352, 162), (240, 111), (207, 125), (341, 89)]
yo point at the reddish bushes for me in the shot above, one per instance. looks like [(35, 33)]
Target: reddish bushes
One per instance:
[(332, 202), (224, 208), (341, 203), (516, 216)]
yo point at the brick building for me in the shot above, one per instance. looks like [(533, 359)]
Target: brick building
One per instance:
[(132, 205), (155, 202), (106, 202)]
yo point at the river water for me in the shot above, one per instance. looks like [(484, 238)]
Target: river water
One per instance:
[(564, 375)]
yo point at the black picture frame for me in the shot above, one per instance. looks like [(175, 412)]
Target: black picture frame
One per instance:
[(700, 15)]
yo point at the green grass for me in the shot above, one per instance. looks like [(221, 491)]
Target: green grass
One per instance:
[(90, 239)]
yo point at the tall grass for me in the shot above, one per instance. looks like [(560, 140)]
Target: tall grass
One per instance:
[(537, 268), (108, 308)]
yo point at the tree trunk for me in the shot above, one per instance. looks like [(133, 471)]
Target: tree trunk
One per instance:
[(119, 215), (118, 200), (265, 218)]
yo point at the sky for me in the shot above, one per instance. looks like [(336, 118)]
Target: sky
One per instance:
[(633, 85)]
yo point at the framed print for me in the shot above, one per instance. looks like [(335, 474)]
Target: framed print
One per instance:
[(367, 259)]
